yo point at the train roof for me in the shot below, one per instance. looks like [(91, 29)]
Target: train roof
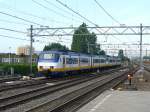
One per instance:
[(68, 52), (65, 52), (55, 51)]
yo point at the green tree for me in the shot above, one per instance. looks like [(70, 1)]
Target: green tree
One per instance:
[(55, 46), (94, 48), (84, 41), (122, 57), (79, 43), (102, 52)]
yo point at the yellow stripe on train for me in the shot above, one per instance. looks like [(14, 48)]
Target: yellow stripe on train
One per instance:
[(75, 68)]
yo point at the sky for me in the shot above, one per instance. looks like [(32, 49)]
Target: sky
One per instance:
[(128, 12)]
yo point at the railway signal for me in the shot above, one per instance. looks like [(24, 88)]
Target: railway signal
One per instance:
[(130, 78)]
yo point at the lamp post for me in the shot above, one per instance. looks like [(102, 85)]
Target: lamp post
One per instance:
[(9, 55), (11, 69)]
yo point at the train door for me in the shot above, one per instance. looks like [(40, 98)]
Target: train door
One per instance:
[(70, 62), (79, 60), (99, 61), (63, 61), (91, 61)]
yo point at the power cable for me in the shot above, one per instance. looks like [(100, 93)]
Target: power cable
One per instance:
[(56, 39), (47, 8), (19, 18), (14, 37), (13, 30), (78, 14), (75, 12), (21, 38), (33, 15), (50, 3), (81, 16), (107, 12), (7, 21), (109, 16)]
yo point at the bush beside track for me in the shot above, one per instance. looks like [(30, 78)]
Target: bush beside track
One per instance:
[(22, 69)]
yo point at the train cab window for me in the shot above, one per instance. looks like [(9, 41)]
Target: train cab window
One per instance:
[(49, 56)]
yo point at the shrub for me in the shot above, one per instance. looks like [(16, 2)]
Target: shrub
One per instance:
[(23, 69)]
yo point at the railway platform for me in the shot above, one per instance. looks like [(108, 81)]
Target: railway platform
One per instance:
[(131, 98), (119, 101)]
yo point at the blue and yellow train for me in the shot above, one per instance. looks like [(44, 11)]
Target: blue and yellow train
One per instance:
[(60, 63)]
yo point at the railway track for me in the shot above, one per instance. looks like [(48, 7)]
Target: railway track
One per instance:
[(6, 87), (30, 95), (22, 84), (6, 79), (146, 68), (29, 83), (12, 101), (65, 101), (75, 103)]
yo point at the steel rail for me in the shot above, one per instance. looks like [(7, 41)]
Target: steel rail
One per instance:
[(15, 100), (55, 105)]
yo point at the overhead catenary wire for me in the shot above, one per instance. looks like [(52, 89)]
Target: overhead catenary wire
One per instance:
[(13, 22), (71, 10), (75, 12), (50, 3), (108, 15), (61, 9), (107, 12), (13, 30), (47, 8), (68, 34), (33, 15), (14, 37), (19, 18), (45, 37), (23, 39), (81, 16)]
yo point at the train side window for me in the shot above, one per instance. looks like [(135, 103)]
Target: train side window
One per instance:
[(96, 60), (84, 60), (102, 61), (72, 60), (68, 61)]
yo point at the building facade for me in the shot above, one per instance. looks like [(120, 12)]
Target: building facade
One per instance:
[(24, 50)]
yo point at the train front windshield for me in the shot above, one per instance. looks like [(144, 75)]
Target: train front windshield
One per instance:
[(49, 56)]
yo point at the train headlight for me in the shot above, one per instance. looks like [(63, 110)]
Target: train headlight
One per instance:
[(41, 67)]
